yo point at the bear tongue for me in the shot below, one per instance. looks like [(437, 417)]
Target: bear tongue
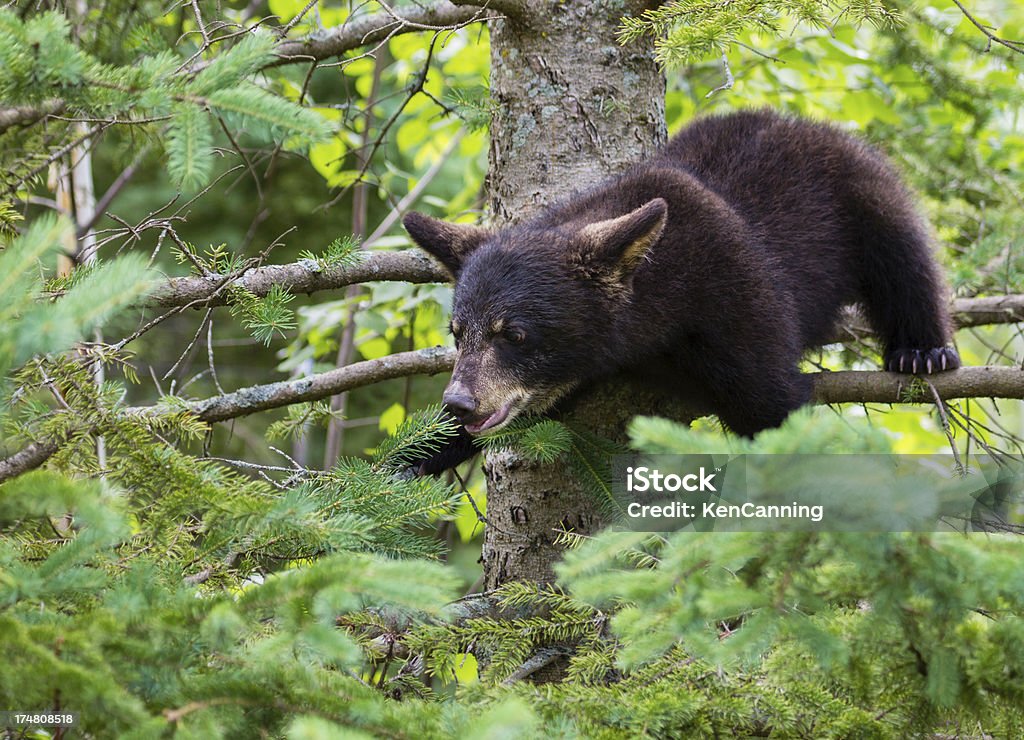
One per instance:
[(491, 421)]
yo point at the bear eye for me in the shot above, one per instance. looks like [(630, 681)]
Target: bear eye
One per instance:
[(456, 332), (513, 335)]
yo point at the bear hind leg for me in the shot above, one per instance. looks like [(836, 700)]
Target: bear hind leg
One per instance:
[(922, 362), (904, 293)]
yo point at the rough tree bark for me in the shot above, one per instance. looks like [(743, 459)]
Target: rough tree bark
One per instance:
[(572, 106)]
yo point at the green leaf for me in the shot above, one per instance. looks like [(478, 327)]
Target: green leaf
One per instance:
[(392, 418)]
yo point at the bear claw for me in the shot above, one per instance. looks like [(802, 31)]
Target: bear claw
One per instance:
[(927, 361)]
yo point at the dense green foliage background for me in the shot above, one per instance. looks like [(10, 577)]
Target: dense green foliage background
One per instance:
[(203, 582)]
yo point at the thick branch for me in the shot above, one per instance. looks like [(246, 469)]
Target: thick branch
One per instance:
[(966, 312), (300, 277), (411, 266), (829, 387), (270, 396), (862, 386)]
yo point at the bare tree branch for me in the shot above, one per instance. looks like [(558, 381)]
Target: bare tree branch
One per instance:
[(413, 266), (26, 459), (1003, 309), (112, 192), (409, 198), (24, 115), (382, 26), (1017, 46), (304, 276), (315, 387)]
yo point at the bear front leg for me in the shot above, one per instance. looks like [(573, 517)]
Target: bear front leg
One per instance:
[(763, 403), (752, 386), (456, 450)]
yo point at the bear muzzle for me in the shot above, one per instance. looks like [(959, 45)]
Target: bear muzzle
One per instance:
[(466, 408)]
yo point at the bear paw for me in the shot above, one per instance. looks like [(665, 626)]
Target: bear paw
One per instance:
[(922, 361)]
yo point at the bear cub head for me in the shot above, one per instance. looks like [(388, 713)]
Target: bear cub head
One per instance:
[(535, 304)]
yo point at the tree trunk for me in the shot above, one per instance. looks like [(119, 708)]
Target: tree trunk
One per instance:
[(572, 107)]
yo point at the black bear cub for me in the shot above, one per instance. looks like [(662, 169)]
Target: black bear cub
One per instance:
[(711, 268)]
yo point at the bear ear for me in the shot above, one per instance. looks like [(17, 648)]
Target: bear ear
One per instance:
[(617, 246), (449, 243)]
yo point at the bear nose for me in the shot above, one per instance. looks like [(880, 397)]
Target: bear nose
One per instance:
[(459, 404)]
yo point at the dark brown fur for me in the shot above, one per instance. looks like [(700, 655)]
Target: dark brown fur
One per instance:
[(711, 268)]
